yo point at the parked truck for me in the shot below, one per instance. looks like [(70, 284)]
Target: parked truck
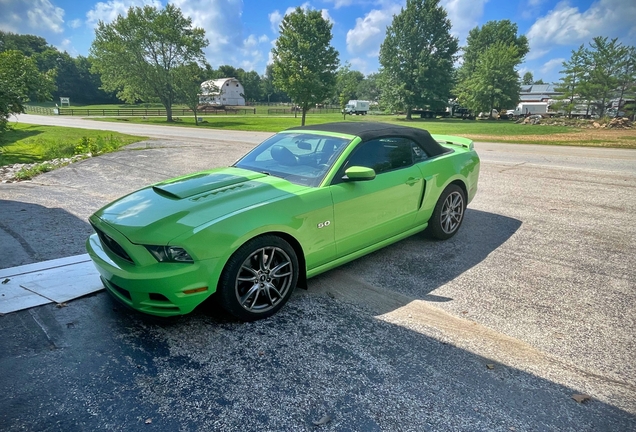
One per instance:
[(356, 107), (530, 108)]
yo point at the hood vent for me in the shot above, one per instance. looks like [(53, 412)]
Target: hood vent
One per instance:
[(199, 183)]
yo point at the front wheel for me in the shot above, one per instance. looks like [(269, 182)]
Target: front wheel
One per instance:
[(448, 214), (259, 278)]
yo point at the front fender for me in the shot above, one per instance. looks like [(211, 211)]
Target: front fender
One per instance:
[(296, 215)]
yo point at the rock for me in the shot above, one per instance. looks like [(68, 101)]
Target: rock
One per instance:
[(8, 172)]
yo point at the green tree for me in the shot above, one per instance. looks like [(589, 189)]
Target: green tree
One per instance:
[(226, 71), (627, 77), (605, 61), (369, 88), (190, 82), (572, 81), (21, 81), (305, 63), (251, 82), (417, 57), (26, 44), (139, 55), (527, 79), (494, 82), (88, 85), (479, 39), (347, 82), (492, 39), (269, 91)]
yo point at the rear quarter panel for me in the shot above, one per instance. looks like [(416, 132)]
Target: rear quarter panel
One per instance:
[(462, 165)]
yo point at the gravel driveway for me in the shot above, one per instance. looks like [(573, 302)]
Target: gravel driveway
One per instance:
[(496, 329)]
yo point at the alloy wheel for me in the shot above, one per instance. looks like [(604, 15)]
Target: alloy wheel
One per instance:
[(264, 279)]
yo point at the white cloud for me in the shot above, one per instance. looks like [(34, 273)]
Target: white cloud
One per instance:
[(369, 32), (275, 18), (250, 42), (550, 65), (221, 20), (361, 65), (341, 3), (110, 10), (76, 23), (39, 17), (464, 15), (567, 25), (326, 16)]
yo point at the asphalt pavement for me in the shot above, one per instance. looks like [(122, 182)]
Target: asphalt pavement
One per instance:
[(529, 304)]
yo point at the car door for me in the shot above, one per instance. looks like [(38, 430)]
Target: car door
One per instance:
[(366, 212)]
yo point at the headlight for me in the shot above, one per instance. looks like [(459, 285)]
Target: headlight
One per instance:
[(170, 254)]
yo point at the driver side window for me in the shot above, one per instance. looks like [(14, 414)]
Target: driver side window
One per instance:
[(383, 154)]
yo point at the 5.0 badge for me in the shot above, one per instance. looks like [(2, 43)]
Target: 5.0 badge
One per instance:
[(324, 224)]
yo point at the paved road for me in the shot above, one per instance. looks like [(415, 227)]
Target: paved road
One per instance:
[(539, 283), (152, 131)]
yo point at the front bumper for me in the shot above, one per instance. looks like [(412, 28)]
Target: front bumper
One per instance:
[(156, 289)]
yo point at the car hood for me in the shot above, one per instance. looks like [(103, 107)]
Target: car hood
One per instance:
[(159, 213)]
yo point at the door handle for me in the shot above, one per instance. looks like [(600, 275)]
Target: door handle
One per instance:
[(412, 180)]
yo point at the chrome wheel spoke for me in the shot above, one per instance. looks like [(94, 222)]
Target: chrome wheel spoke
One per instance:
[(253, 278), (258, 291), (264, 279), (275, 271), (244, 299), (272, 287), (269, 288)]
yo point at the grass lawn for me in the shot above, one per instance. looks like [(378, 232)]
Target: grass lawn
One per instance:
[(478, 130), (26, 143)]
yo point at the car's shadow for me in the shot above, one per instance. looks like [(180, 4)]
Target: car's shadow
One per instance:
[(413, 268), (31, 233)]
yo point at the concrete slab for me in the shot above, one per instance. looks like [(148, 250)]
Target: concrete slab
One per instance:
[(58, 281)]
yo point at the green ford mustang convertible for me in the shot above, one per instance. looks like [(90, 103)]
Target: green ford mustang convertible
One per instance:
[(303, 202)]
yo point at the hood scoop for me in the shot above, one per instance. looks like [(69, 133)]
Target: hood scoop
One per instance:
[(199, 183)]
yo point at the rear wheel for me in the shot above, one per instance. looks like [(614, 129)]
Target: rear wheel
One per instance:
[(259, 278), (448, 214)]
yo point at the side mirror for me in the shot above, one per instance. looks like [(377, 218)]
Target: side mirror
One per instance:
[(358, 173)]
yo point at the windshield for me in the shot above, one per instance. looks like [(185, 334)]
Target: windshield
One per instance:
[(300, 158)]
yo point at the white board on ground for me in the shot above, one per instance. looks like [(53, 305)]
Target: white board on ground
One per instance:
[(57, 281)]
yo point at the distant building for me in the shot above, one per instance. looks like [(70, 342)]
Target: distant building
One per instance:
[(538, 93), (228, 91)]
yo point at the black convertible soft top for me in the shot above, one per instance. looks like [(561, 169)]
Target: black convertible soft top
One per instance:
[(372, 130)]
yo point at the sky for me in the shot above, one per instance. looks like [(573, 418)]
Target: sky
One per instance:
[(242, 32)]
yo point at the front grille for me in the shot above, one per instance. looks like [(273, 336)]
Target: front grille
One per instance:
[(111, 244)]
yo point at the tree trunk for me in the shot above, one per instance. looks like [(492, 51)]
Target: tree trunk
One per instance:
[(302, 121), (169, 113), (196, 119), (408, 114)]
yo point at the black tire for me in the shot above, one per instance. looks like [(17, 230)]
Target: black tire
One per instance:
[(259, 278), (448, 214)]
